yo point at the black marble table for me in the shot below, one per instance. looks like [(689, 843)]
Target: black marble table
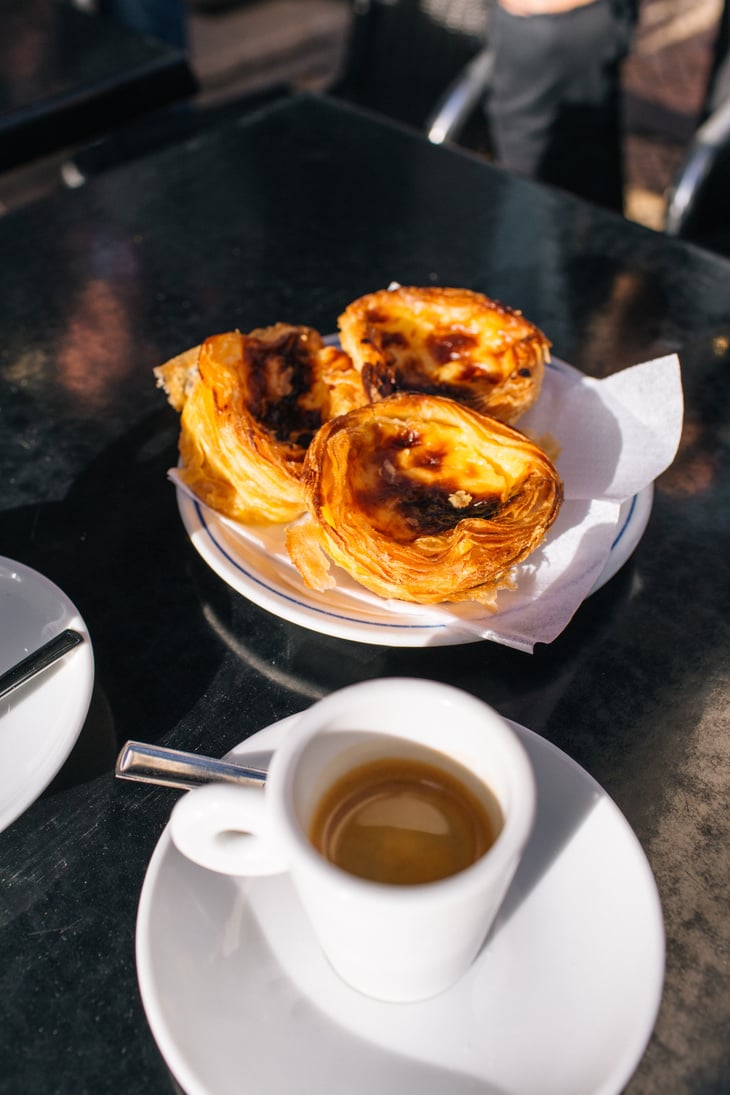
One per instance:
[(67, 77), (290, 213)]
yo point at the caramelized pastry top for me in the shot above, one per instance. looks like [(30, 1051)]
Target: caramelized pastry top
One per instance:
[(285, 378), (423, 499), (413, 478), (250, 405), (443, 341)]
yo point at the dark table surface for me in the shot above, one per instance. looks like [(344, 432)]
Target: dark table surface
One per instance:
[(68, 77), (289, 214)]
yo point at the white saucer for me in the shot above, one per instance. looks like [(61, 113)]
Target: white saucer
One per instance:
[(41, 720), (561, 1001)]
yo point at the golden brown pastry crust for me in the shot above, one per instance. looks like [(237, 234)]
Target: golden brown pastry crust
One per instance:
[(422, 499), (250, 405), (450, 342)]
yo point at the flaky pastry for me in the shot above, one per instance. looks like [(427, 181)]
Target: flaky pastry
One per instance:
[(450, 342), (420, 498), (249, 406)]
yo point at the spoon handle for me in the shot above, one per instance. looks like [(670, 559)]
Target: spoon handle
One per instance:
[(174, 768), (39, 660)]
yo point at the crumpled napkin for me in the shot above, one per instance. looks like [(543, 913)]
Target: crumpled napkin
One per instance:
[(614, 437)]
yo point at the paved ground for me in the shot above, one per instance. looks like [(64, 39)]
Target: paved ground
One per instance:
[(248, 44), (664, 86), (241, 45)]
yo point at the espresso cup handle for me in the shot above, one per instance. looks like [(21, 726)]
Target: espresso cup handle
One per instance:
[(228, 830)]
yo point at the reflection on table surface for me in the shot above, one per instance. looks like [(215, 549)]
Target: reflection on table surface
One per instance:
[(289, 214)]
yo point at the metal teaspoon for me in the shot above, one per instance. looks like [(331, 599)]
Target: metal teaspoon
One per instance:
[(175, 768)]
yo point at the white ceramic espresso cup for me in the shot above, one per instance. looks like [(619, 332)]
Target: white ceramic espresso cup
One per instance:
[(392, 942)]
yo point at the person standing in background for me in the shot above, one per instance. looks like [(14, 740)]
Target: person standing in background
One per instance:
[(555, 101)]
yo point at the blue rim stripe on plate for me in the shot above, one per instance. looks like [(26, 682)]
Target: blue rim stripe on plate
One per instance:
[(626, 523), (309, 607), (294, 600)]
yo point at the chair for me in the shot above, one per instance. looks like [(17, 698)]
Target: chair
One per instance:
[(421, 62), (697, 207), (452, 112), (694, 192)]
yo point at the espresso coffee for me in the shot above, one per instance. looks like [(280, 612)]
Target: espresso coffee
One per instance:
[(402, 821)]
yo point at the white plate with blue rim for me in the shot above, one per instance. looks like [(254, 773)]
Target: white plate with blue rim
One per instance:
[(562, 999), (40, 720), (255, 563)]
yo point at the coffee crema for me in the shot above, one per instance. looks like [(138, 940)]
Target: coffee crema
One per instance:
[(403, 822)]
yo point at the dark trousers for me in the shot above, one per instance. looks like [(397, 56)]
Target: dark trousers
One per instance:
[(555, 104)]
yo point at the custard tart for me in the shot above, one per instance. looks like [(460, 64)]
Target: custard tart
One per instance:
[(250, 405), (422, 499), (450, 342)]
